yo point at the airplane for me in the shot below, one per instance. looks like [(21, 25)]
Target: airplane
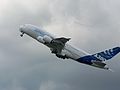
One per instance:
[(63, 50)]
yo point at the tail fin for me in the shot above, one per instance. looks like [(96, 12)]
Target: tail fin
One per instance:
[(107, 54), (102, 56)]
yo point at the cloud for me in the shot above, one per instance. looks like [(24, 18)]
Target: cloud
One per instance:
[(49, 85), (27, 65)]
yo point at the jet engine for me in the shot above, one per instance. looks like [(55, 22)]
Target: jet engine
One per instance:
[(47, 39), (44, 39), (40, 39), (64, 54)]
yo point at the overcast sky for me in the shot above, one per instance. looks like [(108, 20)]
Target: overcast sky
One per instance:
[(25, 64)]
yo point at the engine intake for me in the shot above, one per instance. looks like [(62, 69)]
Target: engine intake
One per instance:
[(40, 39), (47, 39), (62, 56)]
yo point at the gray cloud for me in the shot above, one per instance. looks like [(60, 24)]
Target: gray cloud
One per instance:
[(27, 65)]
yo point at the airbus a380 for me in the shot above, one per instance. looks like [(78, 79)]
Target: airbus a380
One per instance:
[(63, 50)]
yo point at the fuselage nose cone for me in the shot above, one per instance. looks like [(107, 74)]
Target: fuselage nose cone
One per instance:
[(21, 28)]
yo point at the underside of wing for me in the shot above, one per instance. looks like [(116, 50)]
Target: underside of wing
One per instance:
[(58, 44)]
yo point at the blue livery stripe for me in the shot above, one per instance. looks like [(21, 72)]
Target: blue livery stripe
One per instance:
[(86, 59)]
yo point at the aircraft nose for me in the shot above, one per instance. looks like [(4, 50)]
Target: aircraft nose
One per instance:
[(21, 28)]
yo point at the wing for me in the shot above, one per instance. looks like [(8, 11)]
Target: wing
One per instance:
[(58, 44), (62, 40)]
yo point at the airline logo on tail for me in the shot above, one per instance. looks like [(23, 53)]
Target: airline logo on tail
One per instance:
[(102, 56), (107, 54)]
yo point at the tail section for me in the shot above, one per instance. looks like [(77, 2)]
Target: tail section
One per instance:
[(107, 54), (102, 56), (97, 59)]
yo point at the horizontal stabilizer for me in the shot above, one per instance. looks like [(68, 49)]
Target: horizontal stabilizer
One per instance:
[(99, 63)]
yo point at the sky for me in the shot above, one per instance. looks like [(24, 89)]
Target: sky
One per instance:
[(25, 64)]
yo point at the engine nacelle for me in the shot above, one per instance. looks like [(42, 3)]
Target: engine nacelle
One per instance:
[(40, 39), (67, 54), (47, 39)]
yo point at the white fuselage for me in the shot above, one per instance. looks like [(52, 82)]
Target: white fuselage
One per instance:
[(67, 50), (38, 34)]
